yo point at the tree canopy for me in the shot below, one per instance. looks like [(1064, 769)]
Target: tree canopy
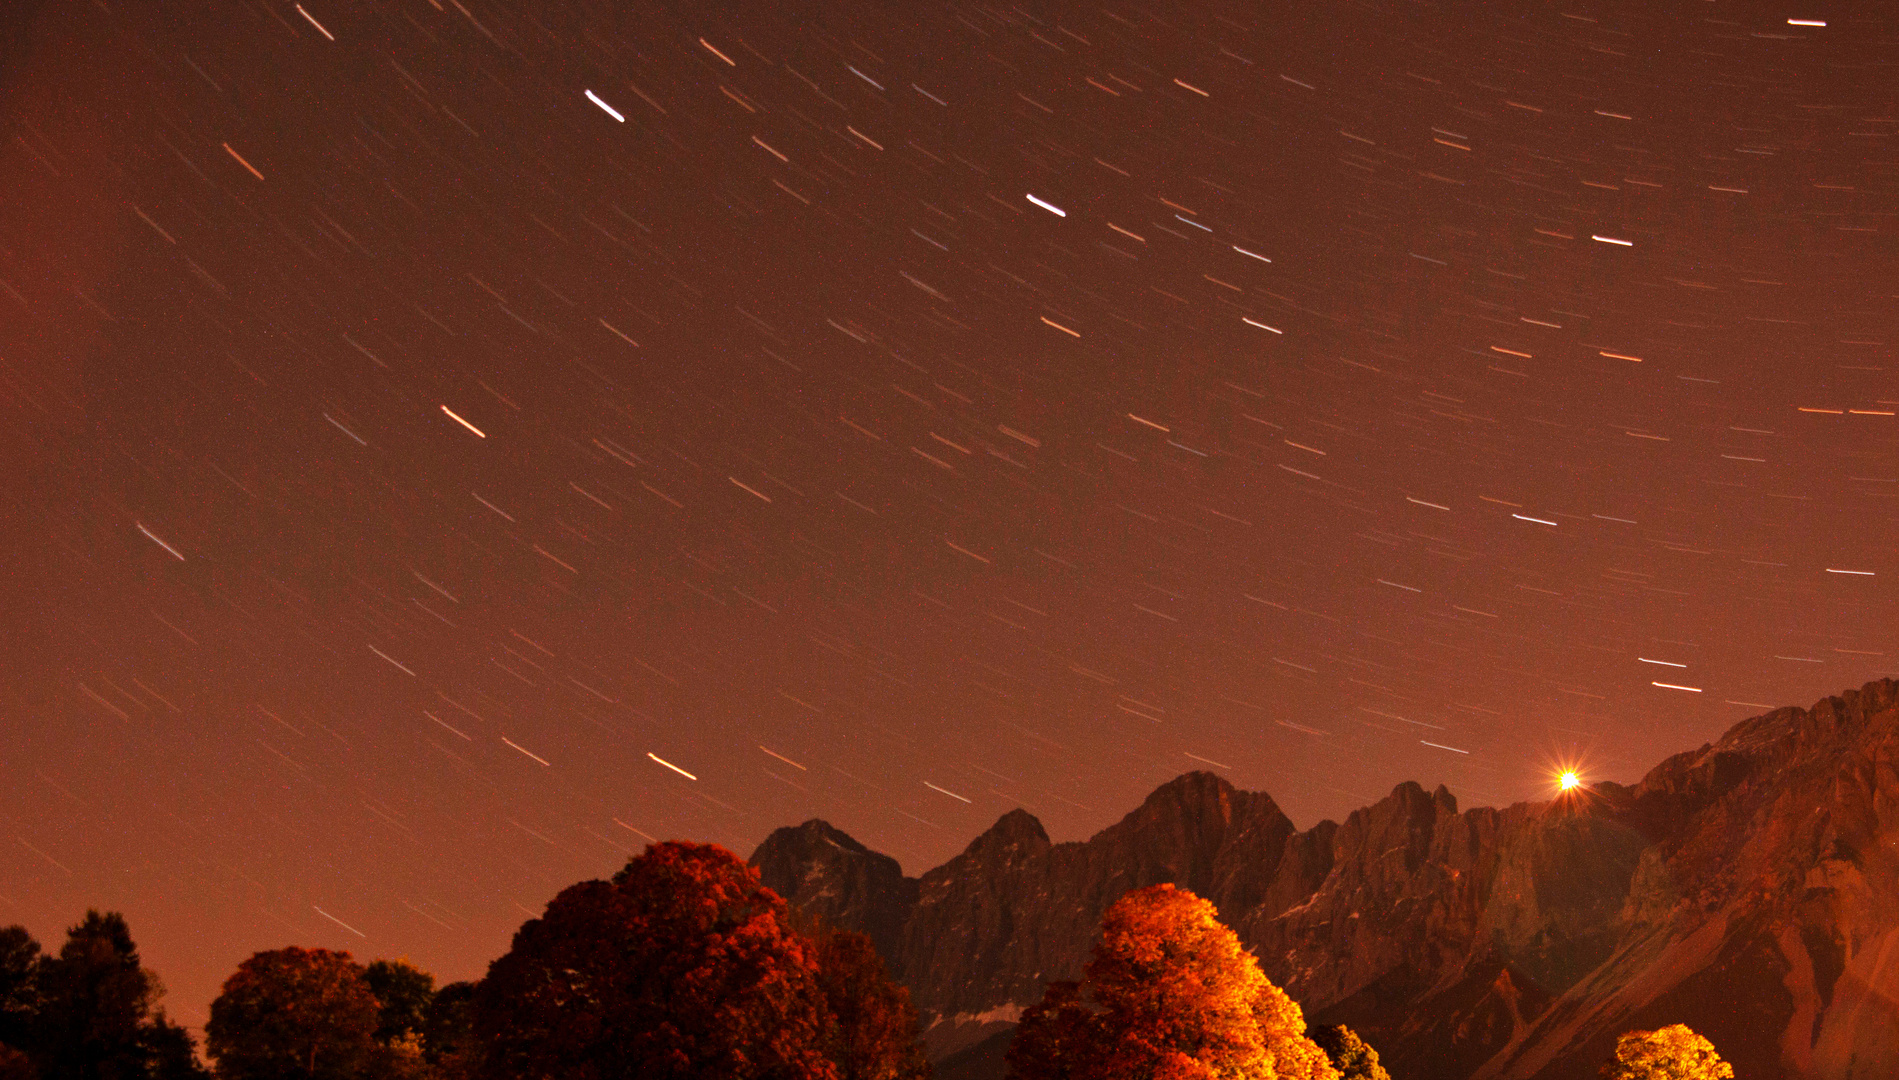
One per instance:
[(447, 1035), (293, 1014), (1671, 1053), (1057, 1038), (95, 1005), (683, 966), (20, 994), (1351, 1055), (97, 998), (1283, 1025), (87, 1012), (1169, 994), (171, 1052), (403, 993), (874, 1027)]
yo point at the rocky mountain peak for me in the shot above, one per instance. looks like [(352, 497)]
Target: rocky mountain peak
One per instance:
[(824, 873), (817, 831), (1749, 888), (1016, 835), (1198, 794), (1446, 802)]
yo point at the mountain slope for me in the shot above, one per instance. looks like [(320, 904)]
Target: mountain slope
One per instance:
[(1749, 888)]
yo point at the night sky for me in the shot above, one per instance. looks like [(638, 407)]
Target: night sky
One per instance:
[(444, 446)]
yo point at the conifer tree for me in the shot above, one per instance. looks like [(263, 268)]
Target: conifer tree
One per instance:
[(96, 1002)]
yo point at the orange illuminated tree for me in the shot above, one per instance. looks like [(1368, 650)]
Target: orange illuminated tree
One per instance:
[(1170, 995), (1671, 1053)]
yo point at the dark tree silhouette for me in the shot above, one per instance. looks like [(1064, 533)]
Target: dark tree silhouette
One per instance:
[(446, 1032), (293, 1014), (171, 1053), (404, 992), (86, 1012), (682, 966), (1057, 1039), (20, 990), (96, 1001), (399, 1059)]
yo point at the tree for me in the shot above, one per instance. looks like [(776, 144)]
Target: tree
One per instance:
[(446, 1032), (1176, 989), (683, 966), (171, 1053), (20, 990), (1282, 1023), (1057, 1039), (96, 1001), (874, 1030), (404, 992), (293, 1014), (398, 1059), (1351, 1055), (1671, 1053), (1169, 994), (87, 1013)]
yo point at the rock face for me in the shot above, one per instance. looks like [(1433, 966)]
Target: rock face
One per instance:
[(824, 873), (1013, 911), (1749, 889)]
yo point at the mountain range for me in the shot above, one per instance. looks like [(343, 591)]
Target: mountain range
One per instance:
[(1749, 888)]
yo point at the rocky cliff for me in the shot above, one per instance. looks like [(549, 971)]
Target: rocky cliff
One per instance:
[(1749, 888), (825, 873)]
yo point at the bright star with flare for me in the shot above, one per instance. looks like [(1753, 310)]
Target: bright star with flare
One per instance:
[(1568, 780)]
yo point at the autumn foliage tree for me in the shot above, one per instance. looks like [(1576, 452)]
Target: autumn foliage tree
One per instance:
[(293, 1014), (1177, 992), (1282, 1023), (873, 1034), (1671, 1053), (682, 966), (1169, 995)]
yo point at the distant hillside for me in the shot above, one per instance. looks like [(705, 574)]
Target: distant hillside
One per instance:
[(1749, 889)]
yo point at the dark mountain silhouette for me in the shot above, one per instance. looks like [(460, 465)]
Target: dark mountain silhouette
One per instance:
[(1749, 889)]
